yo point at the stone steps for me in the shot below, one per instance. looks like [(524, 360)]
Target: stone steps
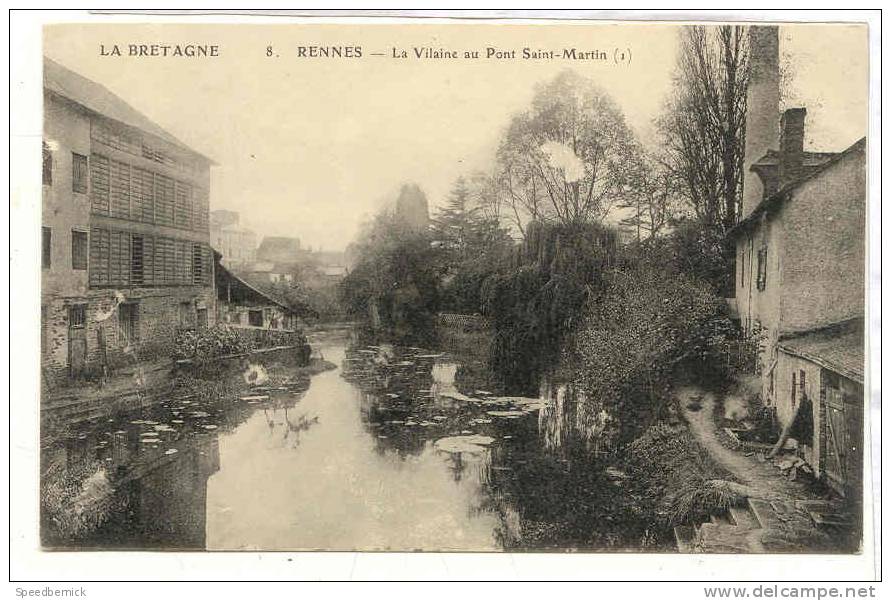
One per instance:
[(684, 538), (744, 518)]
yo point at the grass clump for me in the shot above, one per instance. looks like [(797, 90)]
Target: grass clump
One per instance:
[(678, 476)]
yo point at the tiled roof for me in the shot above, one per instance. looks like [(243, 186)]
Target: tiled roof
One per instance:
[(779, 197), (838, 347), (101, 100), (809, 159)]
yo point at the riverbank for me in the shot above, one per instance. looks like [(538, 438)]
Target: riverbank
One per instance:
[(89, 468), (770, 513)]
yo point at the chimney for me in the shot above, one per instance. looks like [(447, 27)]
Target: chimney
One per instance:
[(762, 108), (791, 146)]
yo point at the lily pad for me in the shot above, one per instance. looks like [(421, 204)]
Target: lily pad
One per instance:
[(464, 444), (506, 414)]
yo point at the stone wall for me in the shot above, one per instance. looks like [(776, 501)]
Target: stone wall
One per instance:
[(782, 398), (161, 313), (824, 230)]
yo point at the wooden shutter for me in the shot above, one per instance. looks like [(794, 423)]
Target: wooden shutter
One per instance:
[(79, 173), (99, 181), (183, 194), (119, 174), (164, 192), (99, 255), (148, 260), (78, 250), (143, 195)]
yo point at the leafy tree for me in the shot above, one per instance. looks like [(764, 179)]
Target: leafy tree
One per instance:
[(651, 324), (566, 160), (536, 303), (651, 204), (395, 283)]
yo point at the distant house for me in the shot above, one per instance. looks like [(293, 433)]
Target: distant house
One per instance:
[(243, 304), (332, 273), (126, 259), (280, 249), (237, 244), (267, 272), (800, 268)]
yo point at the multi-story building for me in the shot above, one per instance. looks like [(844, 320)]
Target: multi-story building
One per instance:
[(800, 269), (237, 244), (126, 258)]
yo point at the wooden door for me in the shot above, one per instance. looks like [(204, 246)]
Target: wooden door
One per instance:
[(77, 339), (843, 447), (128, 324)]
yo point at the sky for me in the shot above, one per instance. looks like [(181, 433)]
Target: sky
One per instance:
[(311, 147)]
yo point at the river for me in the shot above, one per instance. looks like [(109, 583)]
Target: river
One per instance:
[(395, 449)]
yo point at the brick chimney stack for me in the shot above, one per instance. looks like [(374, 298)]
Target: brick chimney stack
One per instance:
[(763, 108), (791, 145)]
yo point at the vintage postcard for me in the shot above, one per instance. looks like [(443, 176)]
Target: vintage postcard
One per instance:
[(454, 286)]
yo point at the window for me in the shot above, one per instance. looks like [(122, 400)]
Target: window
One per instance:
[(128, 323), (78, 250), (44, 318), (78, 173), (762, 268), (197, 264), (255, 318), (742, 269), (47, 165), (201, 317), (801, 392), (794, 388), (46, 259), (77, 316), (137, 260), (185, 314)]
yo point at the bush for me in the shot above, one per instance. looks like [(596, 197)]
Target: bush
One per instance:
[(649, 325), (207, 343), (534, 305), (677, 475)]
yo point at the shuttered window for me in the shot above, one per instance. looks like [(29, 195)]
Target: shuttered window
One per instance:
[(762, 268), (201, 210), (119, 259), (99, 184), (143, 195), (124, 259), (78, 250), (47, 165), (46, 259), (197, 264), (99, 250), (119, 174), (129, 192), (137, 260), (79, 173), (148, 261), (164, 192), (183, 194)]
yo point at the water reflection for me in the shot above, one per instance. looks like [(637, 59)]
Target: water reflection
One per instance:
[(401, 448)]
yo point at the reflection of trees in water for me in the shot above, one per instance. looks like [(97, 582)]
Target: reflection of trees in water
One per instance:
[(292, 424), (396, 384), (127, 496), (558, 498), (102, 485)]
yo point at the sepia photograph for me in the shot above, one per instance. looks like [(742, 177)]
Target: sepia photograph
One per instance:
[(583, 287)]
